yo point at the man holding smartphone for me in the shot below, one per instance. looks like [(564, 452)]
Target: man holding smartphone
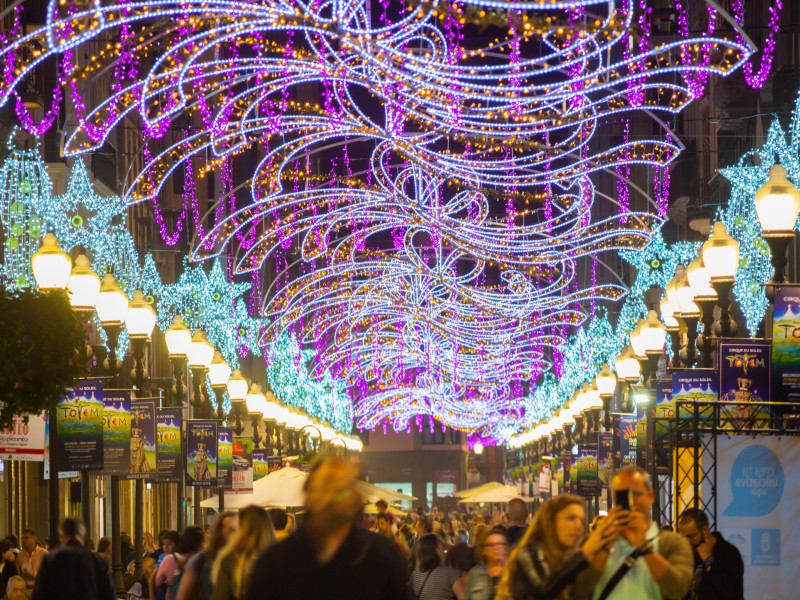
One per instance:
[(645, 563)]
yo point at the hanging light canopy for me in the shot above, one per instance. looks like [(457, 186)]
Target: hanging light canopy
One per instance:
[(83, 285), (112, 303), (720, 254), (606, 381), (627, 365), (777, 203), (255, 399), (140, 320), (201, 352), (219, 371), (178, 338), (237, 387), (51, 265)]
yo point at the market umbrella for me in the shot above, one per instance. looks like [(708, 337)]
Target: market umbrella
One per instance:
[(486, 487), (371, 509), (501, 494), (372, 493), (283, 487)]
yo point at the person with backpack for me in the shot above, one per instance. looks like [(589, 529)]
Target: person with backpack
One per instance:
[(169, 572), (196, 579)]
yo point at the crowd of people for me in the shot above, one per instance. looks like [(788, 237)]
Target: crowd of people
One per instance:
[(338, 553)]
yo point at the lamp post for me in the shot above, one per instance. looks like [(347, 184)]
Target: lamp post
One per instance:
[(271, 410), (705, 297), (673, 330), (777, 205), (606, 383), (51, 268), (178, 339), (628, 370), (237, 392), (653, 336), (201, 353), (721, 259), (690, 313), (219, 372), (255, 401)]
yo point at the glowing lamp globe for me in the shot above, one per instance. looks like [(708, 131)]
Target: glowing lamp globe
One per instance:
[(255, 400), (721, 254), (477, 448), (112, 303), (178, 338), (777, 203), (686, 303), (637, 341), (697, 274), (627, 366), (567, 418), (606, 381), (140, 320), (653, 333), (272, 406), (668, 314), (237, 387), (315, 431), (327, 433), (219, 371), (51, 266), (201, 352), (672, 288), (83, 285)]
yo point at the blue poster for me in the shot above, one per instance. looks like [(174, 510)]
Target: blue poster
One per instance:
[(786, 345), (79, 424), (690, 391), (143, 440), (201, 453), (588, 483), (744, 380), (605, 459), (116, 432), (225, 457), (625, 434)]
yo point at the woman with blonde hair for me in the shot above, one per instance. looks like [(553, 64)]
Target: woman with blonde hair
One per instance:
[(231, 571), (548, 562)]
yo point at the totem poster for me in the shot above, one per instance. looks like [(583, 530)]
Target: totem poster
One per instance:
[(260, 463), (201, 453), (744, 380), (786, 346), (116, 432), (79, 423), (169, 454), (625, 438), (697, 386), (588, 484), (143, 440), (224, 457), (242, 465), (605, 458), (664, 415)]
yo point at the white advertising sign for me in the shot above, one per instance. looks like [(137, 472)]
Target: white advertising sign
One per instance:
[(23, 441)]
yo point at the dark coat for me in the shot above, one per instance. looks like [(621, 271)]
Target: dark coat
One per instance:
[(72, 571)]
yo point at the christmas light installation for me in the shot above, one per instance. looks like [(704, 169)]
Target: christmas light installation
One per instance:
[(474, 160)]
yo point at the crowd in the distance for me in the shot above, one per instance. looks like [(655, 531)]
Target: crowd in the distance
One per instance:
[(336, 552)]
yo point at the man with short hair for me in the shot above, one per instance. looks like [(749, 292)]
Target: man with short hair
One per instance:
[(718, 565), (15, 588), (71, 570), (30, 557), (517, 520), (645, 562), (422, 526), (382, 525)]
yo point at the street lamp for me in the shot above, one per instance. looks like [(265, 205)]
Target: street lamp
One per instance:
[(178, 339), (653, 335), (777, 205), (219, 371), (112, 306), (256, 402), (200, 355), (606, 383), (721, 258), (237, 392), (140, 321), (628, 370), (83, 287), (673, 329), (51, 266), (690, 313), (271, 410), (705, 297)]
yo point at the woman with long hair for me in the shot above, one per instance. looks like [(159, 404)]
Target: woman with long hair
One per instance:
[(431, 580), (231, 571), (548, 563), (482, 580), (196, 580)]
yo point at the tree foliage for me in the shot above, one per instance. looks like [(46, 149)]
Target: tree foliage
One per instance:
[(42, 351)]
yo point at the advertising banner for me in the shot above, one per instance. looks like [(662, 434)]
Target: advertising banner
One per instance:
[(698, 386), (545, 475), (169, 453), (573, 475), (625, 436), (744, 379), (605, 459), (260, 463), (588, 483), (23, 441), (224, 457), (143, 440), (758, 504), (201, 453), (274, 463), (242, 469), (786, 346), (61, 474), (79, 422), (116, 432)]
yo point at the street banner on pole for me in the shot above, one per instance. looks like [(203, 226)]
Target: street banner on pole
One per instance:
[(169, 453), (786, 346), (201, 453), (79, 419), (242, 469), (605, 459), (116, 432), (260, 463), (24, 441), (224, 457), (697, 386), (143, 440), (625, 439), (744, 379), (588, 484)]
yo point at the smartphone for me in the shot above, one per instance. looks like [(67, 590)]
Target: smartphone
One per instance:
[(623, 498)]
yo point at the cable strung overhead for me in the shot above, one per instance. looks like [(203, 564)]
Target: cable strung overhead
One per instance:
[(420, 173)]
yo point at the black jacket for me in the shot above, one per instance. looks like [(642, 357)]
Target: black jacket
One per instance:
[(723, 578), (72, 571)]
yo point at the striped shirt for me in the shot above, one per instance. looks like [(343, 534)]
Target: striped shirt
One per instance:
[(439, 585)]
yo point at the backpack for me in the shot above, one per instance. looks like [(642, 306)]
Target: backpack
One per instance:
[(161, 590)]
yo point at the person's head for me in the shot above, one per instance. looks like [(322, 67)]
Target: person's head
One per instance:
[(148, 538), (429, 552), (161, 537), (72, 528), (13, 540), (382, 506), (279, 517), (15, 588), (423, 526), (290, 524), (517, 512), (495, 547), (382, 523), (125, 540), (637, 481), (170, 541), (332, 498), (104, 545), (223, 527), (693, 523), (6, 553), (191, 541), (254, 535), (29, 540), (462, 536)]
